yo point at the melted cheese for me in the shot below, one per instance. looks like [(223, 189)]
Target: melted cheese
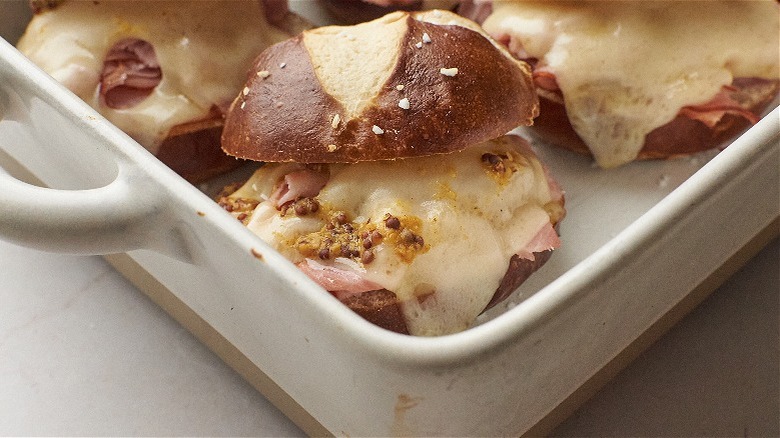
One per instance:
[(472, 223), (626, 68), (204, 49)]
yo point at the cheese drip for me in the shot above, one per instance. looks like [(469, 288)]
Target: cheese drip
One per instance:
[(627, 67), (472, 219), (204, 49)]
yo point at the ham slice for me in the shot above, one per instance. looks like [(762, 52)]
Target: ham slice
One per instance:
[(338, 280), (130, 73), (712, 111), (545, 80), (527, 261), (546, 239), (305, 183)]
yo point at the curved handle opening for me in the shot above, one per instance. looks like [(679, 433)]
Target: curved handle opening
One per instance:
[(118, 217), (104, 203)]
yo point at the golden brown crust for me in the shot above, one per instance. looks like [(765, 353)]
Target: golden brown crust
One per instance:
[(286, 115), (682, 136)]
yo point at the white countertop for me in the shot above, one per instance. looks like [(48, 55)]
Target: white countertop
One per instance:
[(83, 352)]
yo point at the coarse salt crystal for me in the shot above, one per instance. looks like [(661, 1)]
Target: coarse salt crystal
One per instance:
[(399, 87), (418, 45), (243, 104), (335, 122), (283, 65), (246, 91), (404, 103), (426, 38), (262, 74), (377, 130), (449, 71)]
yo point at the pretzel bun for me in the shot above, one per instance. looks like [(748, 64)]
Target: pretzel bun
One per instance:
[(152, 71), (405, 85)]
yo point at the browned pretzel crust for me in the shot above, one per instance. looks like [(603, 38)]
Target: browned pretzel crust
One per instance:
[(286, 114)]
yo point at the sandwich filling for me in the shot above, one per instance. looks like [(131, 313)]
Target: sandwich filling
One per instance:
[(148, 67), (436, 231), (625, 68)]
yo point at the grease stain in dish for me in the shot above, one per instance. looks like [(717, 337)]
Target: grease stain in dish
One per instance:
[(403, 403), (257, 254)]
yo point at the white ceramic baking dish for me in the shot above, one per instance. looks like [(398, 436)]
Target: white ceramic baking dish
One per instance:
[(642, 244)]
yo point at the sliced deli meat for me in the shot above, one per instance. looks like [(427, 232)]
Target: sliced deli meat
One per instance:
[(130, 73)]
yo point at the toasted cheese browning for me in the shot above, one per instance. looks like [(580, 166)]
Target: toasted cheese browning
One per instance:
[(625, 68), (437, 231)]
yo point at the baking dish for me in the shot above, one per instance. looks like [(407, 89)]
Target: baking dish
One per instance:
[(641, 245)]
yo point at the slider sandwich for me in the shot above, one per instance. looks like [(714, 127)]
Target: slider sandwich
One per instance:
[(389, 179), (164, 71), (627, 80)]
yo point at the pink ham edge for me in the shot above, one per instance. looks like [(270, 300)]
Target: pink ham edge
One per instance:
[(546, 239), (336, 280), (712, 111), (299, 184), (130, 73)]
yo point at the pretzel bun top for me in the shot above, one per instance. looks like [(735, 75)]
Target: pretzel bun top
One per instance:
[(404, 85)]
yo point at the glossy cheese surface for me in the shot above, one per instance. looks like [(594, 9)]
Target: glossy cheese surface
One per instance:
[(471, 218), (627, 67), (204, 49)]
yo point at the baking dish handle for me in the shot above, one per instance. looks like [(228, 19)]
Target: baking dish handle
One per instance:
[(118, 217)]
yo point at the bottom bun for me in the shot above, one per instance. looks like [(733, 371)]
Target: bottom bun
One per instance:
[(193, 150), (379, 307), (682, 136)]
